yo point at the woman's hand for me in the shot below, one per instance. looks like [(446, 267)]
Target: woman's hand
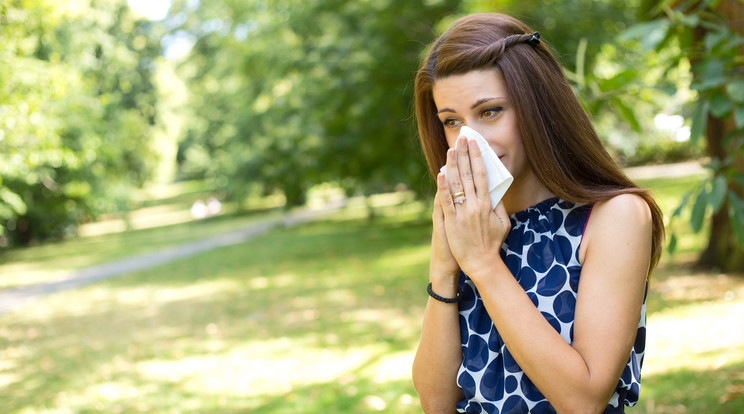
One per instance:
[(474, 231), (443, 265)]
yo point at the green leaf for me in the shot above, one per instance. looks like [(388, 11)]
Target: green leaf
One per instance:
[(735, 90), (13, 200), (699, 118), (739, 116), (678, 211), (736, 212), (739, 178), (669, 89), (651, 34), (718, 192), (627, 114), (709, 74), (713, 39), (689, 20), (698, 211), (720, 105), (672, 243)]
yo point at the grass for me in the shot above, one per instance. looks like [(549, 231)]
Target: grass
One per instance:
[(162, 220), (320, 318), (323, 317)]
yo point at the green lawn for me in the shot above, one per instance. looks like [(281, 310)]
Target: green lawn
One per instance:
[(320, 318), (162, 219)]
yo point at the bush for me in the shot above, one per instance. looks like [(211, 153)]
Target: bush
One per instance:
[(663, 152)]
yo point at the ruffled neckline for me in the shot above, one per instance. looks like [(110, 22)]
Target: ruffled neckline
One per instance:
[(542, 207)]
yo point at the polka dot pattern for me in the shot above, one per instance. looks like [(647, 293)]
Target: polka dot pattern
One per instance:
[(541, 251)]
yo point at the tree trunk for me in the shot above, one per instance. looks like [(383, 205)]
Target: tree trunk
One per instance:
[(723, 252)]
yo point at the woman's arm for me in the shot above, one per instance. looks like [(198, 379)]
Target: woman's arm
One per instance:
[(581, 377), (439, 352), (615, 256), (438, 358)]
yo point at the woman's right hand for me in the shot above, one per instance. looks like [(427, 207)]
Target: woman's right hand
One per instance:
[(443, 266)]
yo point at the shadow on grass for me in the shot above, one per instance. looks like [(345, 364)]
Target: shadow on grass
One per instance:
[(681, 284), (316, 305), (345, 396), (319, 318), (719, 391)]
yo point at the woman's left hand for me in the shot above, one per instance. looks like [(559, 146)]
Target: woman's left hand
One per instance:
[(475, 232)]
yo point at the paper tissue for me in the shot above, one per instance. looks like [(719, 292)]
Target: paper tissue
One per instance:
[(499, 178)]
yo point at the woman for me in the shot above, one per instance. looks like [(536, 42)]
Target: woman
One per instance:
[(537, 305)]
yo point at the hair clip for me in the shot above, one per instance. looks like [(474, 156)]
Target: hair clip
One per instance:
[(534, 39)]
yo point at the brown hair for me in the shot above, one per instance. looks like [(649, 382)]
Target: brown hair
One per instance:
[(557, 134)]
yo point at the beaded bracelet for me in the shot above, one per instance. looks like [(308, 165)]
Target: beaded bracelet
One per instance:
[(442, 299)]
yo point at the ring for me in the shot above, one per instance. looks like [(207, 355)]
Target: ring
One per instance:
[(460, 194), (459, 199)]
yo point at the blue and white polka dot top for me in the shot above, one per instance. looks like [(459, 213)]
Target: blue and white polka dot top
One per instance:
[(542, 252)]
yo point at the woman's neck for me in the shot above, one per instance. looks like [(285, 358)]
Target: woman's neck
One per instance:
[(525, 191)]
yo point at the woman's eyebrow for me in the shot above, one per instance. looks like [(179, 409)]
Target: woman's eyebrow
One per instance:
[(475, 105), (484, 100)]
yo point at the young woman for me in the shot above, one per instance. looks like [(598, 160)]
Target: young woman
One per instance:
[(537, 305)]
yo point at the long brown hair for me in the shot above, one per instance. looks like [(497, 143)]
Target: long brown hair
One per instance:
[(557, 134)]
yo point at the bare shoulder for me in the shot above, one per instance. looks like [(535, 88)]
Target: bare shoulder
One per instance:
[(623, 208), (621, 220)]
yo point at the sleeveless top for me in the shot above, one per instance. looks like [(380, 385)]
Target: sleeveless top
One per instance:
[(542, 252)]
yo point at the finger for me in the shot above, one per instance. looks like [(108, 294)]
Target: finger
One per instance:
[(480, 176), (463, 166), (444, 195), (500, 211), (438, 215), (503, 215), (453, 174)]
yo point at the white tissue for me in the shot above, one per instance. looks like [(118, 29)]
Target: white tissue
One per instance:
[(499, 178)]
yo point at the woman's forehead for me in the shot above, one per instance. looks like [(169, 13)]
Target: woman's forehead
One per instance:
[(470, 86)]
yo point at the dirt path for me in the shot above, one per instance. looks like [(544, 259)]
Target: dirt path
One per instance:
[(13, 299)]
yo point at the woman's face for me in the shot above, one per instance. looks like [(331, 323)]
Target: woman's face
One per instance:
[(479, 99)]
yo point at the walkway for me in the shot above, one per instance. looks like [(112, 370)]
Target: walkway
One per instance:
[(13, 299)]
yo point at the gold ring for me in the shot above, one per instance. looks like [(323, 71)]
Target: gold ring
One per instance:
[(460, 194)]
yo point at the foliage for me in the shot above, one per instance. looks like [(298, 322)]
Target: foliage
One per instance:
[(576, 30), (285, 96), (713, 49), (664, 152), (77, 111)]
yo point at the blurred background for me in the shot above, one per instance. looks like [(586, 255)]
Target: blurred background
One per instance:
[(133, 128)]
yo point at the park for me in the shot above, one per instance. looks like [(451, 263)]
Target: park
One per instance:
[(223, 209)]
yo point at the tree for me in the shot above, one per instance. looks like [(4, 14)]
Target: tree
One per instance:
[(710, 38), (77, 109), (290, 95)]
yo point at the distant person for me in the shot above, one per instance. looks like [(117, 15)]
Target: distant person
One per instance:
[(213, 206), (199, 210), (537, 305)]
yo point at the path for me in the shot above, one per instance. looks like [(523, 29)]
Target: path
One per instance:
[(681, 169), (13, 299)]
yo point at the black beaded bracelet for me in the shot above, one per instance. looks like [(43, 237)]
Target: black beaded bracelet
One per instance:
[(440, 298)]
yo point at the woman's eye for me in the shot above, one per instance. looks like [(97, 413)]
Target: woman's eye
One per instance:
[(491, 112), (450, 123)]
